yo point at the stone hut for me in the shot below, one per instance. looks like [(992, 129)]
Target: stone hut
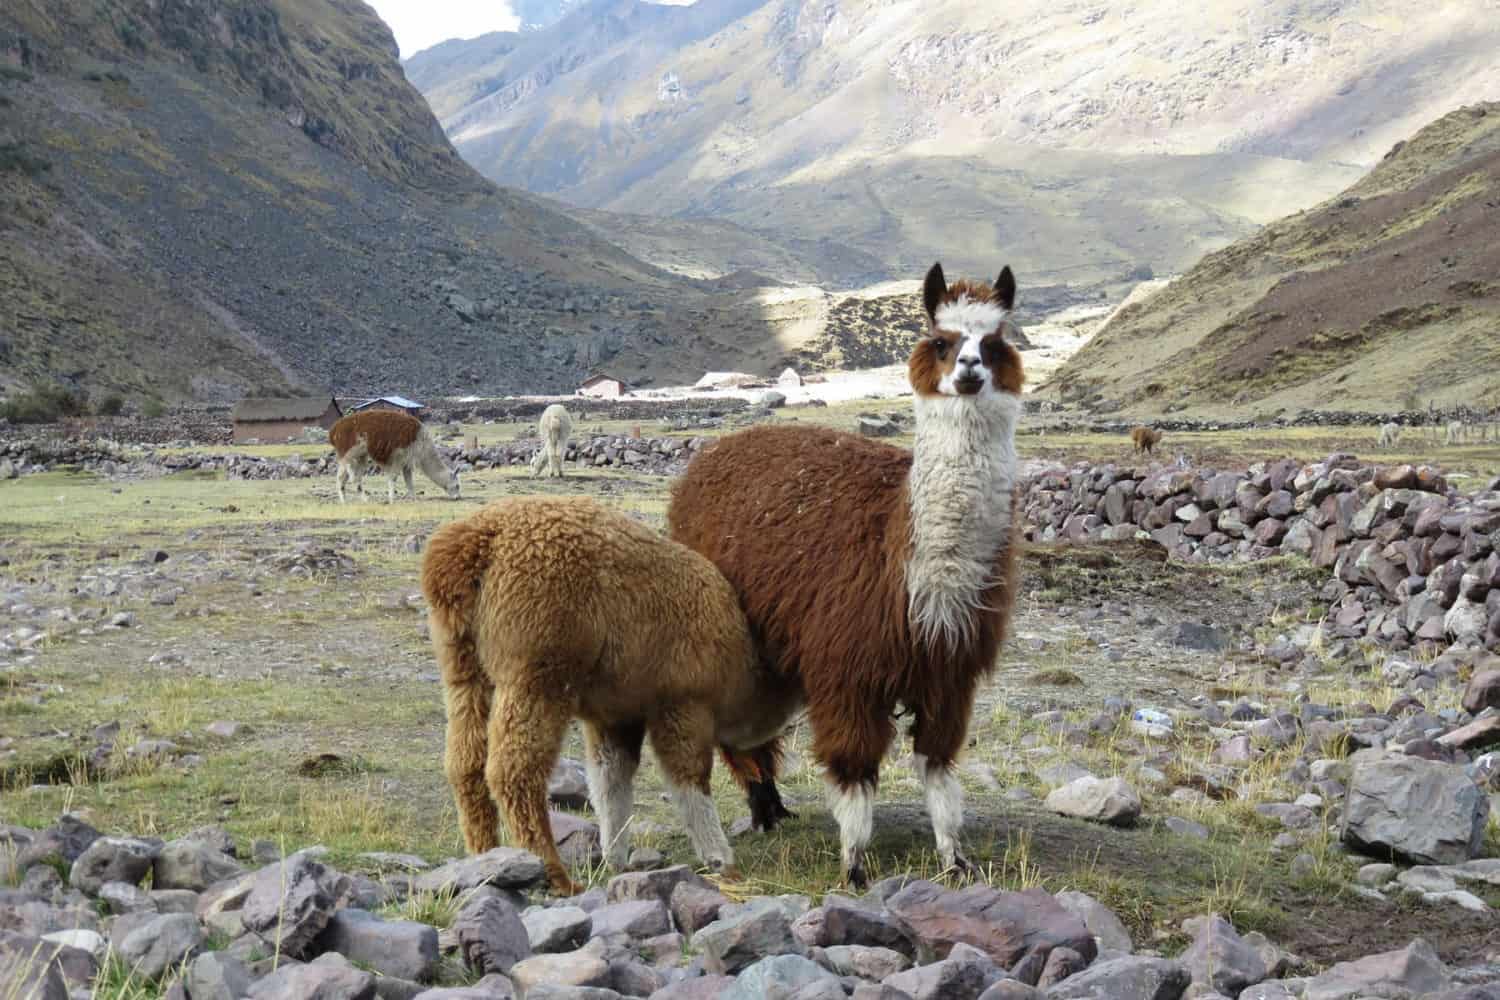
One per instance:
[(276, 419), (602, 386)]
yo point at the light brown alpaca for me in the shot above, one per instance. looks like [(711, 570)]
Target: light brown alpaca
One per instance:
[(1145, 440), (545, 610), (392, 441)]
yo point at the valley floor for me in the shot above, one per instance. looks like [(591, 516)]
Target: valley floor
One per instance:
[(164, 605)]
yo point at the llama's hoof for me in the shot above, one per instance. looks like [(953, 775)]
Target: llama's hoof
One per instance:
[(962, 869), (856, 878)]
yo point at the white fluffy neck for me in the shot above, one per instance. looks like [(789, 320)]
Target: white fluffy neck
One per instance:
[(963, 468)]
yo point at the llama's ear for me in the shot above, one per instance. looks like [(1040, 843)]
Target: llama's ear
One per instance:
[(1005, 288), (934, 290)]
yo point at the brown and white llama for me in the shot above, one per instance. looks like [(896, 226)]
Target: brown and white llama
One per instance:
[(393, 442), (1145, 440), (555, 427), (548, 609), (874, 577)]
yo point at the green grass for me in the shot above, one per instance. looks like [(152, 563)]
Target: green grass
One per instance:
[(343, 733)]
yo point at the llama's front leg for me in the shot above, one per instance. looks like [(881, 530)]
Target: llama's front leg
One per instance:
[(683, 740), (411, 487), (525, 738), (850, 737), (936, 743), (611, 757), (338, 478)]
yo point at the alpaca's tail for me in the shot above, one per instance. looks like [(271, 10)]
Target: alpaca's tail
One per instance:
[(452, 570)]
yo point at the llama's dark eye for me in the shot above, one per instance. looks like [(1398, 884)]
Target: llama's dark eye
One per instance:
[(939, 346)]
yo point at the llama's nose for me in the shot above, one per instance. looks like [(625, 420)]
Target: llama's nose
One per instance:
[(968, 366)]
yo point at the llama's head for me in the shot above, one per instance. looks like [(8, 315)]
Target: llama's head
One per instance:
[(966, 352)]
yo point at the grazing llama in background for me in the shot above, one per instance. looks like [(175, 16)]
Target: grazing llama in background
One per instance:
[(872, 576), (1454, 432), (393, 442), (556, 427), (544, 610), (1145, 440), (1390, 433)]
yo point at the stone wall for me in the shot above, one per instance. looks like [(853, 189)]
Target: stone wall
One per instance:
[(1412, 560)]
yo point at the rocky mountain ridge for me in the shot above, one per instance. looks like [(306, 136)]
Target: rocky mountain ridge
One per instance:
[(1382, 298), (205, 200), (1087, 141)]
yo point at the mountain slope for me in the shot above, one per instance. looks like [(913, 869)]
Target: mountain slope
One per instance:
[(1084, 139), (1385, 297), (202, 199)]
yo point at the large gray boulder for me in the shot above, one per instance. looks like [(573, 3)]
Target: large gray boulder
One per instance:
[(160, 943), (217, 976), (759, 930), (1105, 800), (1130, 977), (503, 868), (554, 929), (28, 970), (1006, 925), (320, 980), (1413, 971), (400, 948), (289, 904), (1219, 957), (965, 974), (575, 968), (781, 977), (1101, 921), (111, 859), (1418, 810), (192, 864), (491, 935)]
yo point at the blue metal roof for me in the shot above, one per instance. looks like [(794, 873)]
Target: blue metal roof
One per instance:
[(401, 401)]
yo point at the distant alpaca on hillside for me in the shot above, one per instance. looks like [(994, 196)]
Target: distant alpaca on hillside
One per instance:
[(546, 610), (875, 577), (1145, 440), (1390, 433), (556, 426), (393, 442), (1455, 432)]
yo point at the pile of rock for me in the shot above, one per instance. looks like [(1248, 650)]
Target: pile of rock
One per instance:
[(297, 928), (1412, 559), (655, 455), (27, 455)]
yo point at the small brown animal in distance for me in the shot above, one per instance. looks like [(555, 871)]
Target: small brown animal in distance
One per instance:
[(393, 442), (548, 609), (1145, 439)]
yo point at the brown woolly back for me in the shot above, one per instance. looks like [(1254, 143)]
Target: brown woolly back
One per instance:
[(384, 432), (812, 528)]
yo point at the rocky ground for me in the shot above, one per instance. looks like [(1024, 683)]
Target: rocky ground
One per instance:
[(1182, 779)]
